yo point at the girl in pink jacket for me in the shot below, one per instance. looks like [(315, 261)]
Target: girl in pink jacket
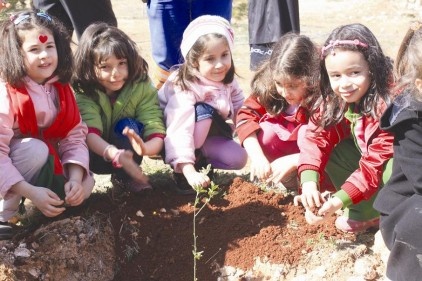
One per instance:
[(197, 100), (43, 154)]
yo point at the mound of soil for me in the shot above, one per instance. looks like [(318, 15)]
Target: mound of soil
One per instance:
[(243, 233)]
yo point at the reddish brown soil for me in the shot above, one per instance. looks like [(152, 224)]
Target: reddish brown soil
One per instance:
[(239, 224)]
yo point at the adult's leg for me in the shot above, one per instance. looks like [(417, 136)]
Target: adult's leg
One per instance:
[(28, 156), (82, 13), (222, 8), (167, 21), (55, 8)]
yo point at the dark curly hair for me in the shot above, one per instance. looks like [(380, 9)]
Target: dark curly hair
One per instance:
[(332, 106)]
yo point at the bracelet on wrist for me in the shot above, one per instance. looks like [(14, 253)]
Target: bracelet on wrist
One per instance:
[(105, 153)]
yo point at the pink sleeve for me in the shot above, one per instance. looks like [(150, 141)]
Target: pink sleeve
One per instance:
[(9, 175), (73, 148)]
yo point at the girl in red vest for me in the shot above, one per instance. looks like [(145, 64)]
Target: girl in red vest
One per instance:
[(43, 154)]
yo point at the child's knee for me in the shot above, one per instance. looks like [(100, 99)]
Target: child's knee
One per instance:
[(31, 153)]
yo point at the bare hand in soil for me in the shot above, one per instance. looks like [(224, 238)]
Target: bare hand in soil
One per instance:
[(313, 215), (260, 168), (330, 206), (131, 168), (283, 167), (193, 177), (46, 201), (74, 193), (135, 140), (310, 197)]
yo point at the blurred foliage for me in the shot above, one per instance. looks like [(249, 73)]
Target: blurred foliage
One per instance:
[(240, 9), (15, 5)]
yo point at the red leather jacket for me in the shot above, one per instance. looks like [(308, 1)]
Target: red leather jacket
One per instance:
[(376, 151)]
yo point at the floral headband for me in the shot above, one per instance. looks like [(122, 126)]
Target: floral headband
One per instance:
[(334, 43), (17, 19)]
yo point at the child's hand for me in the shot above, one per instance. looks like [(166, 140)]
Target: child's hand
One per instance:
[(260, 168), (46, 201), (330, 207), (197, 179), (310, 197), (74, 193), (136, 141), (130, 166), (283, 167)]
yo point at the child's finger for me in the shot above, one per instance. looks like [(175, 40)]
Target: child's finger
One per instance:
[(55, 197), (316, 200), (296, 200)]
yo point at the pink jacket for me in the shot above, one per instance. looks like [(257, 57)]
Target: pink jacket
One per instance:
[(179, 113), (72, 149)]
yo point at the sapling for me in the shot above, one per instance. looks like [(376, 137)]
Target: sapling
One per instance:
[(202, 196)]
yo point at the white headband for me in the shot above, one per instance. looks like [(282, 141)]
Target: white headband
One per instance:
[(205, 25)]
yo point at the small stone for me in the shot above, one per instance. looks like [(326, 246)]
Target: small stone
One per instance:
[(34, 272), (22, 253), (175, 212)]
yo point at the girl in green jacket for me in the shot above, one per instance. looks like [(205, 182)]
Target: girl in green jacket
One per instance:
[(119, 104)]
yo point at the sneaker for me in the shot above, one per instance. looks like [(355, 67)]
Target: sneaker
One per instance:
[(6, 231), (182, 185), (353, 226)]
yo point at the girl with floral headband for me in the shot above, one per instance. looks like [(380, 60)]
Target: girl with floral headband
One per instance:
[(43, 154), (343, 136), (400, 201), (198, 99)]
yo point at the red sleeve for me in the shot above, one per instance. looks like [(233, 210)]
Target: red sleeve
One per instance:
[(92, 130), (156, 135), (248, 117)]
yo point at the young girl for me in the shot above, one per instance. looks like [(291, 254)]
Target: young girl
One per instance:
[(197, 99), (272, 120), (343, 136), (42, 136), (118, 103), (400, 201)]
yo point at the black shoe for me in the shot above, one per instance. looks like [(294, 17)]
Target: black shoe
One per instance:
[(182, 185), (6, 231)]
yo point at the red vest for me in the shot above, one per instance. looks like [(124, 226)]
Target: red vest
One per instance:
[(67, 118)]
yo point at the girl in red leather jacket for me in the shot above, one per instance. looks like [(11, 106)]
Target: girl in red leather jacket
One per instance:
[(343, 137)]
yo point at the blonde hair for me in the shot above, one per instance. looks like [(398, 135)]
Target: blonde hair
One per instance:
[(408, 64)]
